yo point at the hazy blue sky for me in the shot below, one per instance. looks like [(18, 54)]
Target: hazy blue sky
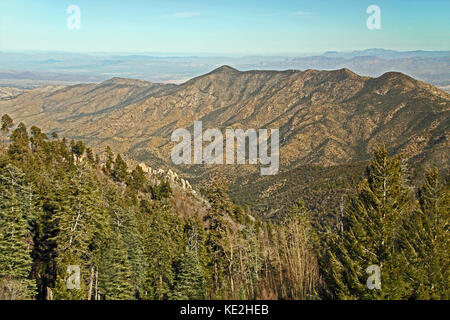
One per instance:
[(226, 26)]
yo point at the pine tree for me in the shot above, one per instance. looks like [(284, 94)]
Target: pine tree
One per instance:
[(19, 149), (161, 191), (15, 238), (7, 124), (90, 156), (77, 148), (218, 240), (115, 278), (37, 139), (109, 159), (190, 283), (428, 239), (372, 227), (80, 213), (137, 179), (80, 220), (134, 243), (163, 236), (120, 168), (125, 219)]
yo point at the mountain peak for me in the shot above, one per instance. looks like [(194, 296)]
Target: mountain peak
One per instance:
[(346, 72), (397, 78), (224, 69), (395, 75)]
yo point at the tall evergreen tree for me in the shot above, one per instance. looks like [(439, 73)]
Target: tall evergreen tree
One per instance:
[(126, 221), (77, 148), (427, 238), (15, 237), (190, 283), (90, 156), (372, 226), (163, 235), (37, 139), (120, 168), (115, 275), (7, 124), (137, 179), (19, 149), (109, 159), (219, 228), (80, 219)]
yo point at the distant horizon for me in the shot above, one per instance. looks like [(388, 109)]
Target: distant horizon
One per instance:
[(178, 67), (213, 54)]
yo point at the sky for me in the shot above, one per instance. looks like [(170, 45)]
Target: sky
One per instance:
[(263, 27)]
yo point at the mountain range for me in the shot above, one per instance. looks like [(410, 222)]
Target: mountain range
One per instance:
[(329, 120), (37, 68)]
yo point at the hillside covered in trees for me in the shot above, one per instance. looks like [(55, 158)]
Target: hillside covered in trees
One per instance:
[(132, 236)]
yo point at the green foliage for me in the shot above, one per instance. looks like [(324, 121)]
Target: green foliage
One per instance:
[(90, 156), (15, 238), (109, 159), (7, 123), (218, 227), (60, 208), (161, 191), (190, 282), (383, 226), (115, 270), (19, 149), (162, 238), (61, 290), (137, 180), (119, 171), (427, 240), (77, 148), (370, 235)]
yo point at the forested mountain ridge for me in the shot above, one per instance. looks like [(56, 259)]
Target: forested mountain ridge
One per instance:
[(134, 236), (324, 117)]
